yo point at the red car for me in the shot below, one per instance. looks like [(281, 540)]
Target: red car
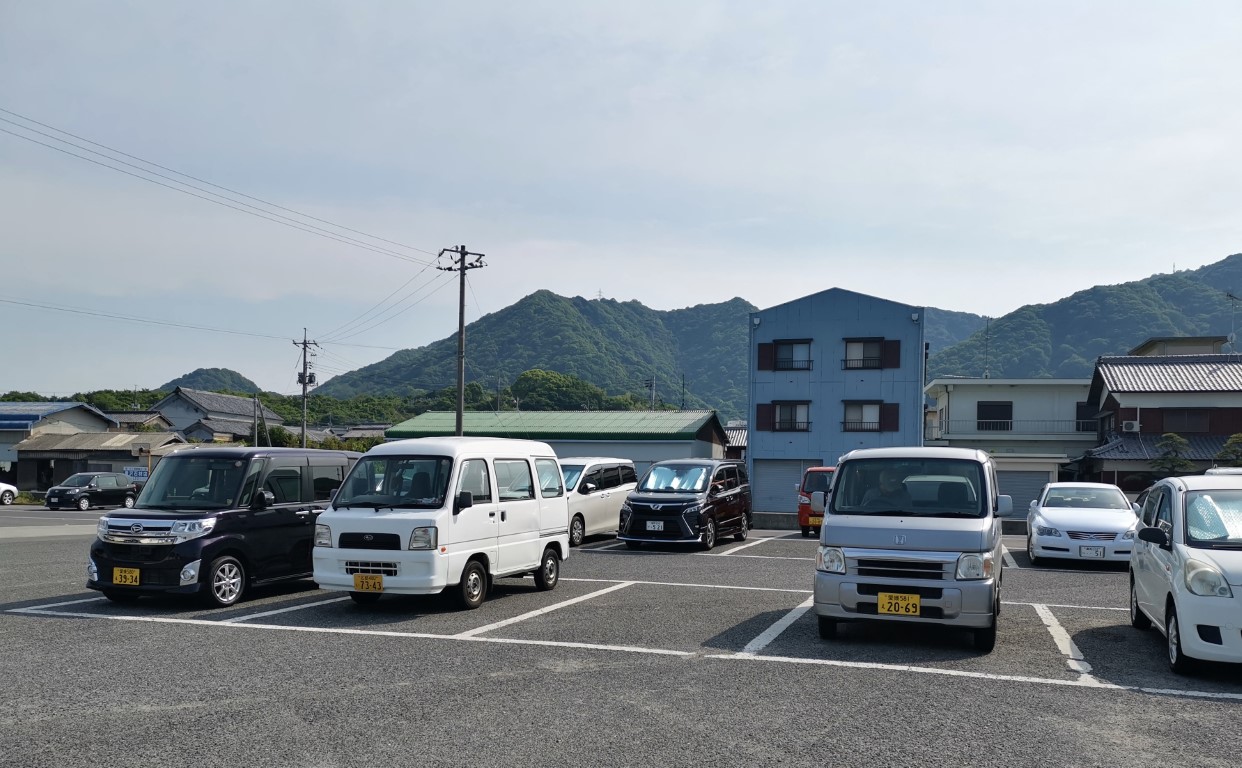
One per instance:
[(815, 479)]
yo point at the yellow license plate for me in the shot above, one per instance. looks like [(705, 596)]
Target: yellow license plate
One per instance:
[(815, 520), (900, 604), (125, 577), (368, 582)]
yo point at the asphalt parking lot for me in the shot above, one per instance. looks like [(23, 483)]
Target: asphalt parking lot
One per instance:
[(658, 657)]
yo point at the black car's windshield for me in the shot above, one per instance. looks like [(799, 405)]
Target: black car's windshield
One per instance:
[(1214, 518), (1086, 498), (905, 486), (572, 472), (197, 482), (675, 478), (412, 482), (77, 481)]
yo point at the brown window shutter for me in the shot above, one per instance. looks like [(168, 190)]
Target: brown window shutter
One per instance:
[(890, 417), (890, 354), (765, 417), (767, 357)]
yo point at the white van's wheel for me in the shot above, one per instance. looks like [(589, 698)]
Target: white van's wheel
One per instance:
[(473, 587), (1179, 662), (577, 531), (549, 570)]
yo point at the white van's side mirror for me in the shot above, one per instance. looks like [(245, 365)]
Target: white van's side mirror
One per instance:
[(464, 500), (817, 501), (1004, 505)]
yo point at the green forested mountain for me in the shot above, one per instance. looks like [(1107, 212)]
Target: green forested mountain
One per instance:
[(1063, 339), (943, 328), (617, 346), (213, 380)]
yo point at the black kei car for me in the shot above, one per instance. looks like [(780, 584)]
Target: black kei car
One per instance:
[(687, 501), (214, 521), (93, 489)]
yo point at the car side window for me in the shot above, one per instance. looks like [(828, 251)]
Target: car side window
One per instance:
[(741, 476), (719, 481), (285, 483), (730, 478), (521, 485), (550, 485), (106, 481), (628, 475), (1149, 507), (609, 477), (591, 477), (1164, 512), (325, 480), (474, 478)]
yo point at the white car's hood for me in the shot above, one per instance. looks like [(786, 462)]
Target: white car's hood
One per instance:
[(1083, 519), (1227, 561)]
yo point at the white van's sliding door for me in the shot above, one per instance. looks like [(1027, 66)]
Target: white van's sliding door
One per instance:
[(474, 529), (518, 510)]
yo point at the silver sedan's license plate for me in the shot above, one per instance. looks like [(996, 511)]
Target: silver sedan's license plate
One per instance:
[(1091, 551), (655, 525)]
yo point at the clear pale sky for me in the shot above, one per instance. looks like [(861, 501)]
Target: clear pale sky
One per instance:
[(964, 155)]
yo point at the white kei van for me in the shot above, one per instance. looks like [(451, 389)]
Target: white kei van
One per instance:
[(416, 517)]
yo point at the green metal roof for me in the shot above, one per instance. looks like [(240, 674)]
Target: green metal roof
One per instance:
[(564, 425)]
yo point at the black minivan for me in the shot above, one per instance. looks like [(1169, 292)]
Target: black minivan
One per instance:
[(215, 521), (687, 500)]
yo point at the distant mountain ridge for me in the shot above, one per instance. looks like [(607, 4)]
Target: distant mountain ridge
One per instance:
[(213, 380), (1064, 338)]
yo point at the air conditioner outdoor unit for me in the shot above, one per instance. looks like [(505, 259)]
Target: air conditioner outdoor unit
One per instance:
[(1129, 426)]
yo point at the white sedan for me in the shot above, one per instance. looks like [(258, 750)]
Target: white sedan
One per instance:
[(7, 493), (1081, 521)]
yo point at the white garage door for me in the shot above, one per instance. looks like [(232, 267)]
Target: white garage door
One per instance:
[(1022, 486), (773, 485)]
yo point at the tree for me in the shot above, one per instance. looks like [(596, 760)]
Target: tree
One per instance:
[(1172, 460), (1231, 452)]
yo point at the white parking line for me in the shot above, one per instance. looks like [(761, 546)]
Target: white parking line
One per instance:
[(302, 607), (1009, 561), (743, 546), (649, 553), (1065, 643), (541, 611), (55, 605), (704, 586), (594, 548), (1056, 605), (774, 631)]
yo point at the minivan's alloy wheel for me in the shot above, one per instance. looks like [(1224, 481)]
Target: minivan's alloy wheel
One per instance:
[(709, 533), (226, 581), (1178, 661), (129, 502), (473, 587), (549, 570), (741, 535), (577, 531), (84, 503), (1138, 619), (6, 498)]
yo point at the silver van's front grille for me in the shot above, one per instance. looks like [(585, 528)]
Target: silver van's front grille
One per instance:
[(1091, 535), (897, 569), (366, 566)]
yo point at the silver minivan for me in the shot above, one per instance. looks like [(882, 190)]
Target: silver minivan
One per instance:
[(911, 535)]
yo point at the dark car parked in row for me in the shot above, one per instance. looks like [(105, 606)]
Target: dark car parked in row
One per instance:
[(215, 521), (687, 500), (93, 489)]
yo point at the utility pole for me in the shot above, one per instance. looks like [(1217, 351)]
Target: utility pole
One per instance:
[(305, 378), (461, 266)]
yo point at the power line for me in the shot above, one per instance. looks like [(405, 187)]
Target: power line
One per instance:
[(149, 321), (297, 226), (201, 181), (357, 320), (394, 312)]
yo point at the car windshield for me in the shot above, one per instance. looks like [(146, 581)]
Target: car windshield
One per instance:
[(816, 481), (195, 482), (412, 482), (904, 486), (1214, 518), (572, 472), (675, 478), (77, 481), (1087, 498)]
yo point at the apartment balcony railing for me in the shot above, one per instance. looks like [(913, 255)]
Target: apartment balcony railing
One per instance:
[(792, 365), (956, 427), (860, 426), (791, 426), (861, 362)]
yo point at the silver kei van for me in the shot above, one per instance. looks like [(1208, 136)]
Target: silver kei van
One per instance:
[(912, 535)]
